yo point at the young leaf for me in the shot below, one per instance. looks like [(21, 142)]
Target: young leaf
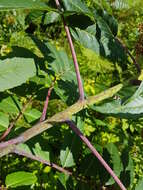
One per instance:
[(66, 157), (32, 115), (20, 4), (19, 179), (15, 71), (40, 153)]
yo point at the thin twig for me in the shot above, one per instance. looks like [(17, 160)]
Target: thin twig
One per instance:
[(94, 151), (5, 134), (37, 158), (80, 86), (131, 56), (43, 116)]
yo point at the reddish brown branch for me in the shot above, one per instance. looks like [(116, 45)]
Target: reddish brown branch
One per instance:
[(37, 158), (131, 56), (80, 86), (5, 134), (43, 116), (94, 151)]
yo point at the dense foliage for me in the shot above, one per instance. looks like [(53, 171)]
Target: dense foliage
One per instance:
[(35, 59)]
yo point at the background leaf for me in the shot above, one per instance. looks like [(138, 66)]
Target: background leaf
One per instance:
[(51, 17), (20, 4), (20, 178), (139, 186)]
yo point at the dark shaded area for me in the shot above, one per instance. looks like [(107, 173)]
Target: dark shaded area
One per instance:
[(80, 21)]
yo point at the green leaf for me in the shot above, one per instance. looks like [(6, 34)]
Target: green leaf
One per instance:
[(36, 149), (111, 21), (67, 91), (61, 64), (10, 105), (116, 161), (51, 17), (4, 121), (75, 6), (128, 174), (132, 108), (19, 179), (139, 186), (70, 150), (32, 115), (24, 147), (63, 67), (110, 47), (130, 170), (99, 38), (66, 157), (87, 37), (15, 71), (35, 16), (20, 4), (40, 153), (63, 179)]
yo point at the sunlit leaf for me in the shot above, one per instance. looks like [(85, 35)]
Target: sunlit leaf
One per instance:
[(19, 179), (32, 115)]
